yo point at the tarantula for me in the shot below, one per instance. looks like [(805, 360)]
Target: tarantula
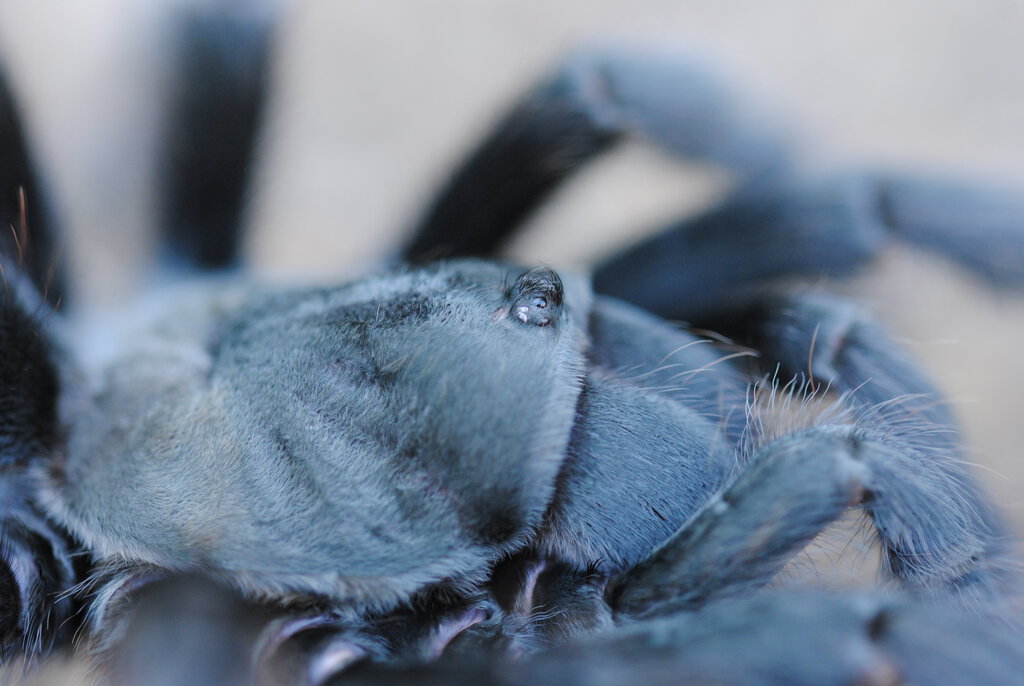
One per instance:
[(465, 469)]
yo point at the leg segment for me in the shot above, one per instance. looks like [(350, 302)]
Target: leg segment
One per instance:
[(36, 558), (215, 117), (793, 229), (27, 239), (837, 344), (792, 489), (938, 533), (798, 639), (597, 97), (697, 369), (657, 422)]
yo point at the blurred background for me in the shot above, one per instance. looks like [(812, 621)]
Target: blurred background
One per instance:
[(375, 100)]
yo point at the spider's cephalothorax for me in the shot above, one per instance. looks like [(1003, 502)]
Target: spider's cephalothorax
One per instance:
[(502, 467)]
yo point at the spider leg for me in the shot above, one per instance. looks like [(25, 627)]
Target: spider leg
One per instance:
[(895, 460), (597, 97), (837, 343), (27, 239), (935, 539), (37, 559), (217, 102), (937, 532), (776, 224), (804, 229), (699, 369), (791, 490), (899, 460), (185, 630), (28, 392), (639, 464), (798, 639)]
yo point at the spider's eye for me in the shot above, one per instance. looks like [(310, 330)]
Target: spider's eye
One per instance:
[(536, 297)]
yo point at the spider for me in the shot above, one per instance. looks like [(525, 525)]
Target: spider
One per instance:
[(462, 468)]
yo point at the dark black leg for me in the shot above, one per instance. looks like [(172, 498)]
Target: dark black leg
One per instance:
[(597, 97), (27, 226), (36, 559), (216, 109)]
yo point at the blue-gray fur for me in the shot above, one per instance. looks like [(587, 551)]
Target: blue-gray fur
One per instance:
[(638, 467), (794, 228), (903, 417), (353, 467)]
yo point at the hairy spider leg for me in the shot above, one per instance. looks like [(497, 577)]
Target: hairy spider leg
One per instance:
[(791, 490), (218, 95), (27, 235), (798, 639), (37, 564), (792, 638), (224, 62), (29, 389), (803, 228), (657, 425), (782, 219), (598, 96), (840, 345), (898, 458)]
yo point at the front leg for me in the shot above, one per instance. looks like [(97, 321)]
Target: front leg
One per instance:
[(935, 540), (894, 451)]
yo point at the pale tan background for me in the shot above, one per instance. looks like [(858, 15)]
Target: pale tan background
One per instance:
[(377, 98)]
